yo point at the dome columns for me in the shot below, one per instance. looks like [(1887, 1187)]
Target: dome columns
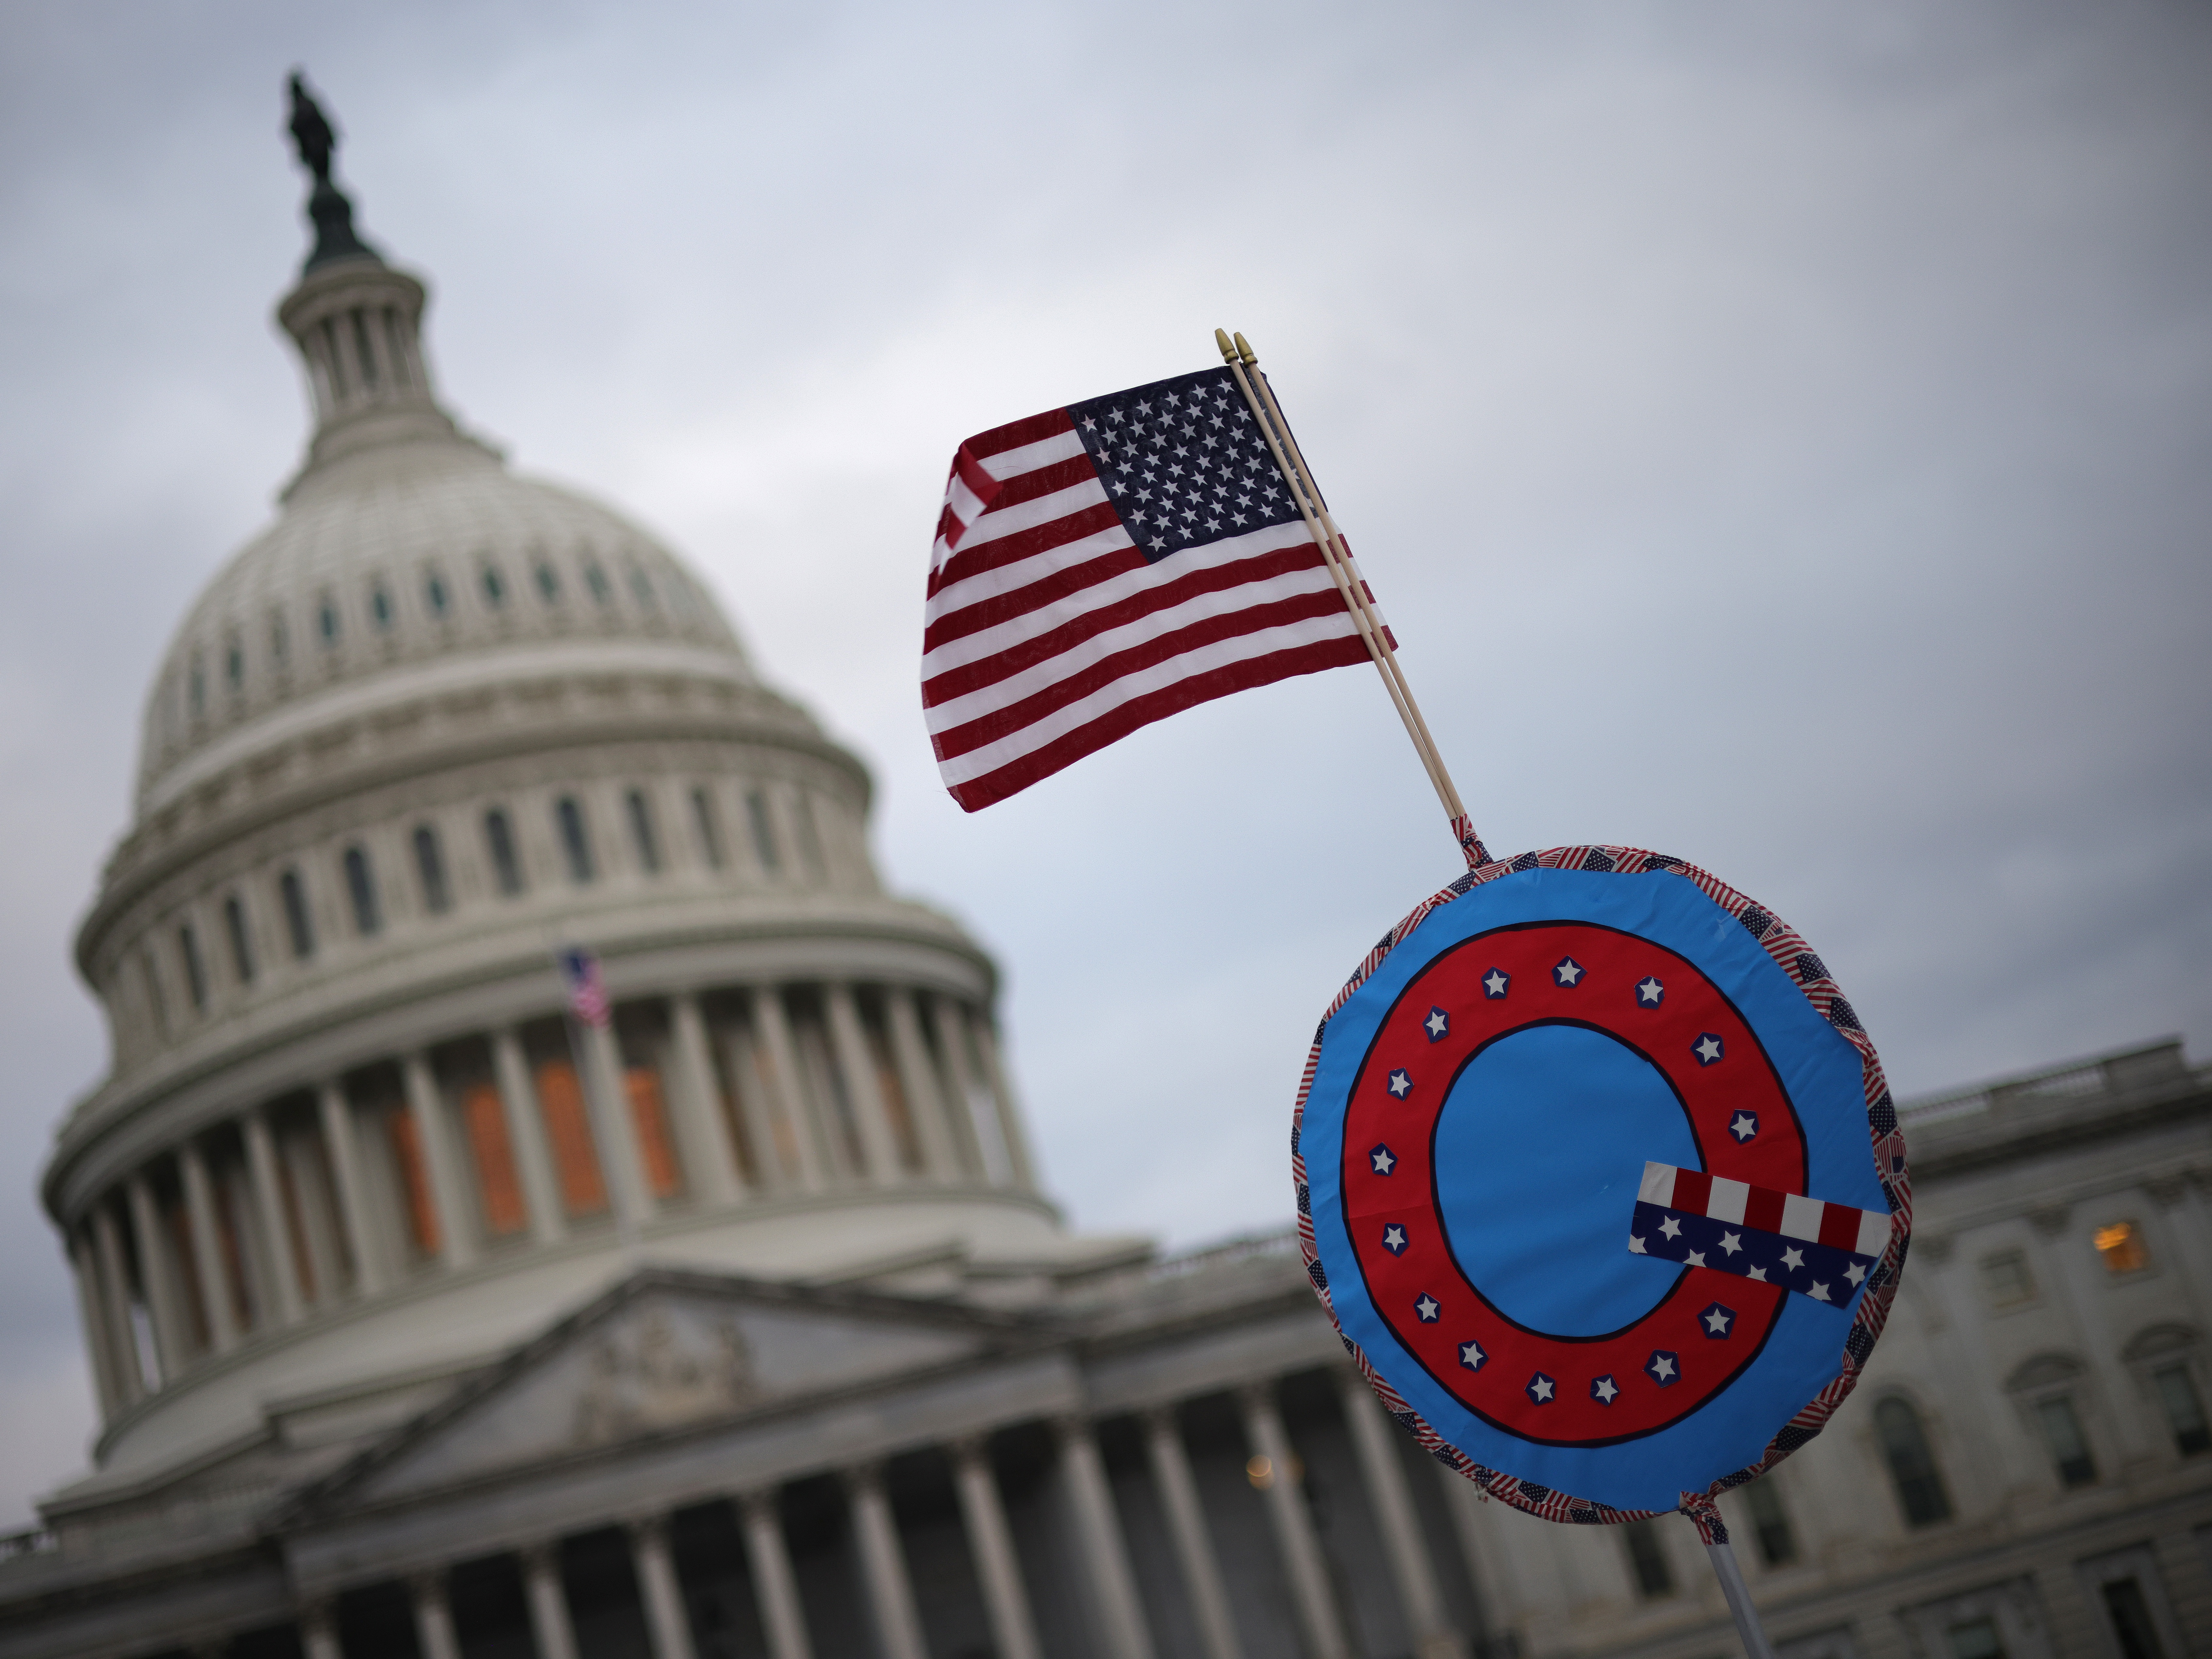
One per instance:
[(698, 1104)]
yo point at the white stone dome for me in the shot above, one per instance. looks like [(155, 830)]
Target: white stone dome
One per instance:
[(400, 542)]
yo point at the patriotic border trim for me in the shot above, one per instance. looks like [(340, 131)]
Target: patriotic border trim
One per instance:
[(1885, 1141)]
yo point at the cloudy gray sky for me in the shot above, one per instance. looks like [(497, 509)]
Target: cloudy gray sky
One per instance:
[(1782, 436)]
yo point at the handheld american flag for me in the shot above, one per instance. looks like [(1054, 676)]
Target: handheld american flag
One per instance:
[(1105, 565)]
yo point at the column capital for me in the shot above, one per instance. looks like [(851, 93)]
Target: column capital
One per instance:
[(1071, 1426), (426, 1585), (540, 1556), (757, 1502), (969, 1449), (1166, 1417), (859, 1478), (1257, 1396), (650, 1530)]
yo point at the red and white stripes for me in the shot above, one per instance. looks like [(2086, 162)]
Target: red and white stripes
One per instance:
[(1793, 1215)]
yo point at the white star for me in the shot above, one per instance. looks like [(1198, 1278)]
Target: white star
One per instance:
[(1648, 991), (1144, 408), (1819, 1292), (1758, 1274), (1694, 1258), (1744, 1128), (1569, 971), (1671, 1228), (1636, 1246), (1427, 1307), (1542, 1388), (1383, 1162), (1855, 1272), (1494, 982), (1662, 1367), (1121, 489), (1394, 1238), (1437, 1022), (1728, 1243), (1399, 1083), (1605, 1390), (1717, 1322), (1239, 518), (1709, 1049), (1793, 1258), (1472, 1356)]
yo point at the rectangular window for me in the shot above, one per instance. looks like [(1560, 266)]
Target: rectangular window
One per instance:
[(2005, 1278), (1976, 1641), (241, 942), (2062, 1433), (576, 840), (1778, 1544), (643, 839), (361, 888), (809, 840), (499, 1190), (2185, 1411), (188, 947), (297, 922), (763, 827), (648, 1115), (710, 833), (499, 841), (1647, 1559), (2122, 1248), (568, 1129), (430, 867), (2131, 1622), (423, 1235)]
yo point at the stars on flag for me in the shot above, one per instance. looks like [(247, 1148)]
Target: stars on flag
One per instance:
[(1649, 993), (1472, 1356), (1819, 1292), (1707, 1048), (1400, 1084), (1744, 1126), (1855, 1272), (1382, 1158), (1567, 972), (1438, 1025), (1496, 983), (1604, 1390), (1694, 1258), (1731, 1242), (1718, 1321), (1793, 1258), (1664, 1367), (1204, 438), (1394, 1238), (1428, 1308), (1636, 1245), (1541, 1390), (1671, 1228)]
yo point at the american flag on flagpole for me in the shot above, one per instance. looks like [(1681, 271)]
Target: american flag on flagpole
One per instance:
[(586, 986), (1105, 565)]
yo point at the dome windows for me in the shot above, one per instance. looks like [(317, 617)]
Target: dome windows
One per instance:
[(596, 579), (495, 587), (710, 831), (196, 687), (196, 982), (640, 585), (499, 841), (234, 664), (380, 607), (241, 940), (763, 829), (576, 838), (299, 924), (549, 583), (280, 639), (435, 594), (361, 889), (644, 840), (326, 620), (430, 870)]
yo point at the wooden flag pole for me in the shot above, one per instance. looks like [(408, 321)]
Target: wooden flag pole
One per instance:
[(1337, 556)]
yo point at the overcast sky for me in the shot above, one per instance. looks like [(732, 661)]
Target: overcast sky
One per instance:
[(1781, 434)]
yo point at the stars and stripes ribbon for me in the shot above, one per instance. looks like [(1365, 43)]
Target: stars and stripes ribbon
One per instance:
[(1822, 1251), (1102, 565)]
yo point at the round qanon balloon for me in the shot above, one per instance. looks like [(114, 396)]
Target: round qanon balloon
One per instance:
[(1598, 1180)]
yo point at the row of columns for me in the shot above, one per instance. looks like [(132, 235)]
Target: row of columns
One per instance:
[(1122, 1629), (964, 1123)]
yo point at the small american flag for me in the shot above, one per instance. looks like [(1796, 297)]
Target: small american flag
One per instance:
[(1103, 566), (587, 989)]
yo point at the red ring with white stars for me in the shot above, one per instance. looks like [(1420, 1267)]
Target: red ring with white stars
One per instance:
[(1603, 998)]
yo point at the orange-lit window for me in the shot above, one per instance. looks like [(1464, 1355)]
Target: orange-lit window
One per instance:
[(2122, 1247), (415, 1176), (650, 1117), (497, 1187), (569, 1128)]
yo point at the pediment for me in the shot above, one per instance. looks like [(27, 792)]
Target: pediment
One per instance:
[(665, 1353)]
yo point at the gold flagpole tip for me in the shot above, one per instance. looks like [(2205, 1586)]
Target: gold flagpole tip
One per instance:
[(1228, 351), (1244, 350)]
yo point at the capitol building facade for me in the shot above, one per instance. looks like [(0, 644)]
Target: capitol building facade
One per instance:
[(428, 1319)]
